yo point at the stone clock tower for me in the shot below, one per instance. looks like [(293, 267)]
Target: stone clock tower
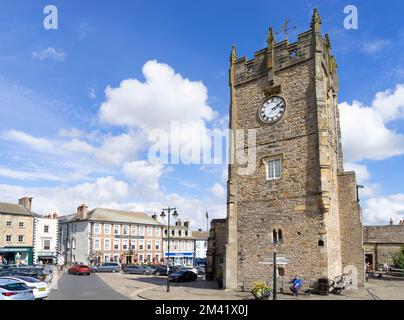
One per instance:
[(299, 200)]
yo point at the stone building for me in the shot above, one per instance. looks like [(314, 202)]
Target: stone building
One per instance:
[(216, 248), (382, 242), (46, 238), (299, 199), (17, 232), (105, 235)]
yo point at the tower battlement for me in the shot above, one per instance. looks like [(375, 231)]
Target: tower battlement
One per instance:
[(282, 55)]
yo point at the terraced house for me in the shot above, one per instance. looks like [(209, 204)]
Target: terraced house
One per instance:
[(16, 232), (105, 235)]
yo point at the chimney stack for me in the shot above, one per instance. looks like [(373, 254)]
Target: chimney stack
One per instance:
[(391, 221), (82, 212), (186, 224), (26, 202)]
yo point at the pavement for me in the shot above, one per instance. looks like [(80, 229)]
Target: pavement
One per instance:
[(118, 286)]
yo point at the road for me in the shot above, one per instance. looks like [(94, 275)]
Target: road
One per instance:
[(72, 287)]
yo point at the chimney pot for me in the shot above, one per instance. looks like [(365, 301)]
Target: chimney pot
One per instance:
[(82, 212), (26, 202)]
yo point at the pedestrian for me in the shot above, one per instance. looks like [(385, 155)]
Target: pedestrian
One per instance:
[(296, 285)]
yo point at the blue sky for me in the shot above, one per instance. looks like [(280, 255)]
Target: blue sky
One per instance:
[(55, 146)]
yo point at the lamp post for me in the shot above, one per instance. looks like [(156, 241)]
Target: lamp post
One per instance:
[(275, 276), (163, 215)]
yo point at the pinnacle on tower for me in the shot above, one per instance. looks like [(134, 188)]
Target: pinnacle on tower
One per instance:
[(316, 21), (327, 41), (270, 37), (233, 54)]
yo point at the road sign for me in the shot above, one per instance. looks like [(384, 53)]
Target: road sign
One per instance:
[(282, 261)]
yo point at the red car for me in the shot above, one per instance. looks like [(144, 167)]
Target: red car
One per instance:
[(79, 269)]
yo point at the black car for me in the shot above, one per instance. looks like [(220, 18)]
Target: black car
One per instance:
[(183, 276), (132, 269), (162, 270)]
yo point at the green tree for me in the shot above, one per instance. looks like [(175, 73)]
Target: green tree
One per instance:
[(398, 259)]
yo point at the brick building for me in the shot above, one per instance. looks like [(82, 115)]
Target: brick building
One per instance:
[(105, 235), (299, 199)]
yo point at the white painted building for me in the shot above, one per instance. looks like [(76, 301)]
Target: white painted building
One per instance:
[(45, 238)]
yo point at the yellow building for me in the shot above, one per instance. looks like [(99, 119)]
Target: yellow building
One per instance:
[(16, 232)]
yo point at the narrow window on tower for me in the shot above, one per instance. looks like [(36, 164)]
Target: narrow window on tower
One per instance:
[(274, 168), (274, 236), (280, 236)]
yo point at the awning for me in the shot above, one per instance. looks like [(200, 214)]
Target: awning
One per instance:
[(47, 257), (15, 250), (180, 254)]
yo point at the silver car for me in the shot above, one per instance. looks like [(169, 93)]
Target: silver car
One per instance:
[(15, 290)]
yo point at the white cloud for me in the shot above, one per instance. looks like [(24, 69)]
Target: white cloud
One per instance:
[(218, 191), (375, 46), (365, 134), (164, 98), (144, 174), (27, 175), (49, 53), (379, 210), (116, 150), (79, 146), (65, 200), (38, 144)]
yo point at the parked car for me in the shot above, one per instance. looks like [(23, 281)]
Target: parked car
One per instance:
[(15, 290), (183, 276), (133, 269), (107, 267), (34, 272), (162, 270), (79, 269), (149, 270), (40, 289)]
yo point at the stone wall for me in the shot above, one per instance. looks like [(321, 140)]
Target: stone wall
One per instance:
[(351, 225), (216, 248), (382, 242), (27, 230)]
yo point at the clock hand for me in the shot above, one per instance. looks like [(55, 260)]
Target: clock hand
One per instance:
[(276, 107)]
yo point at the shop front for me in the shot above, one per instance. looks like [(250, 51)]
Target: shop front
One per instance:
[(16, 255), (180, 258), (46, 258)]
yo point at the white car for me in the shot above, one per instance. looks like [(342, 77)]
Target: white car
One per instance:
[(189, 268), (40, 289), (15, 290)]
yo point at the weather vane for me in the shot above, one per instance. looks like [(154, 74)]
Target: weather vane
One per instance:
[(285, 29)]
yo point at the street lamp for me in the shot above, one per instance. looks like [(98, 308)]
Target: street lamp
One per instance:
[(163, 215)]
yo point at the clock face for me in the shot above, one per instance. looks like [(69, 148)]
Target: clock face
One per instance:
[(273, 109)]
